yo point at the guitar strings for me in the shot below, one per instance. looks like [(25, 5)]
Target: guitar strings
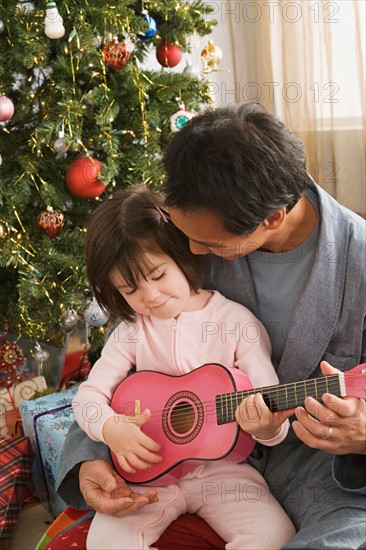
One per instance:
[(180, 418), (234, 399), (231, 398), (266, 391)]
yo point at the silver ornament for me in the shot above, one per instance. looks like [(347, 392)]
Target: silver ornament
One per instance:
[(98, 41), (70, 320), (192, 70), (41, 355), (2, 27), (60, 145)]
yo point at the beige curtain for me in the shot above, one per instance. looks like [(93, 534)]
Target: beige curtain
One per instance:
[(305, 61)]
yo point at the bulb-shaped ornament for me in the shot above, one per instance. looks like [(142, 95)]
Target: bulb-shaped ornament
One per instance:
[(60, 145)]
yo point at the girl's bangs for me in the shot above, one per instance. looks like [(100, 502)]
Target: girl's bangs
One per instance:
[(133, 263)]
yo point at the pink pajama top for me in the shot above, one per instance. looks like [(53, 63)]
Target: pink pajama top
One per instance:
[(223, 332)]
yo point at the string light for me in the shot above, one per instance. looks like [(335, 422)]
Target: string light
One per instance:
[(81, 92)]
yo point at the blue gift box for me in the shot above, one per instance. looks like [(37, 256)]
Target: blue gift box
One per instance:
[(46, 422)]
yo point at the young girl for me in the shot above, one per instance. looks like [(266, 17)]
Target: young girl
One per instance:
[(141, 271)]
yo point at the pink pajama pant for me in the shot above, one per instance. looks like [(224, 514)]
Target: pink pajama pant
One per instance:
[(234, 499)]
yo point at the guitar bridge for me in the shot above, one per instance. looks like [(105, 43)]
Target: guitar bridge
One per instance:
[(137, 407)]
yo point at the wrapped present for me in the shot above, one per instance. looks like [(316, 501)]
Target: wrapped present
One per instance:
[(14, 423), (46, 421), (15, 465), (77, 365), (51, 367), (10, 399)]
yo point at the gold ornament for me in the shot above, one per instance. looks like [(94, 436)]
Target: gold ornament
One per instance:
[(211, 56)]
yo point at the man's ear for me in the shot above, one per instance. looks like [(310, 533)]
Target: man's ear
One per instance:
[(274, 221)]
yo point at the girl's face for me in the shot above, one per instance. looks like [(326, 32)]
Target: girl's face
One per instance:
[(165, 293)]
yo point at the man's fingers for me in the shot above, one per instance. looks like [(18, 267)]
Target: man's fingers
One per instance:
[(91, 493), (327, 369), (321, 412), (151, 495), (108, 483), (136, 505), (99, 472), (344, 407), (308, 429)]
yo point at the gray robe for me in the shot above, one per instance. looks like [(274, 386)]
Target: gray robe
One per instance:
[(321, 493)]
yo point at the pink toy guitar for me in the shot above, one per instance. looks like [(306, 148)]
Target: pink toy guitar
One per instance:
[(193, 416)]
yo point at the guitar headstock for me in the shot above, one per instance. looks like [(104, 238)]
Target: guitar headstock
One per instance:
[(355, 381)]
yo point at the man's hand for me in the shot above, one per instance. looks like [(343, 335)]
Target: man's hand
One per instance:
[(105, 491), (336, 426)]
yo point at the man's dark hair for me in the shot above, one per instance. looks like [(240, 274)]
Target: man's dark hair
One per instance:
[(240, 162), (120, 232)]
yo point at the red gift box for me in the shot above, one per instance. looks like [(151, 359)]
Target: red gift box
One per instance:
[(15, 465), (77, 364)]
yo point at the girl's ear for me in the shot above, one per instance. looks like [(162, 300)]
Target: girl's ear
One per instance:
[(275, 220)]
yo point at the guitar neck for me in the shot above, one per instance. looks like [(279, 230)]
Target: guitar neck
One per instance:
[(278, 398)]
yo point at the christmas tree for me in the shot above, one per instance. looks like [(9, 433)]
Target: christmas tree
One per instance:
[(81, 115)]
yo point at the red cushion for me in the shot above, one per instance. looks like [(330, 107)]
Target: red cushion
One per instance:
[(188, 532)]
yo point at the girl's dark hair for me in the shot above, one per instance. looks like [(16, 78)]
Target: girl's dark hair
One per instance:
[(240, 162), (120, 232)]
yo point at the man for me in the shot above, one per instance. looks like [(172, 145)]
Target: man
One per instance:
[(278, 244), (274, 241)]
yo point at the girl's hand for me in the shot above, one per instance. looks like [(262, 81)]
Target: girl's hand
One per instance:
[(132, 447), (255, 418)]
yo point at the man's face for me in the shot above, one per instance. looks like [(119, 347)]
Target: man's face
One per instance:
[(207, 234)]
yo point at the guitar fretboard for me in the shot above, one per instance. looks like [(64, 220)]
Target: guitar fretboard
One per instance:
[(277, 398)]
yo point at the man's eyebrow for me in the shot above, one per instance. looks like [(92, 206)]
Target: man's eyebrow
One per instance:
[(216, 245)]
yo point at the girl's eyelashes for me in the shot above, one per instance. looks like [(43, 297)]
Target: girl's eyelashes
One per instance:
[(158, 277), (132, 290), (129, 292)]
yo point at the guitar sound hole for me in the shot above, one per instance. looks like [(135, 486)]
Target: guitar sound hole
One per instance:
[(182, 417)]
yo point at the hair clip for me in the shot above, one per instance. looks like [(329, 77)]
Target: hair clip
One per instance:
[(163, 216)]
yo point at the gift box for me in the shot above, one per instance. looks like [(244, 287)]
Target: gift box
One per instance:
[(18, 393), (77, 365), (15, 466), (46, 422), (51, 368)]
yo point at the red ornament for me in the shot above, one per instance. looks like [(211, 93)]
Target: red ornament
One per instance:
[(51, 222), (6, 108), (116, 54), (11, 359), (82, 178), (168, 54)]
